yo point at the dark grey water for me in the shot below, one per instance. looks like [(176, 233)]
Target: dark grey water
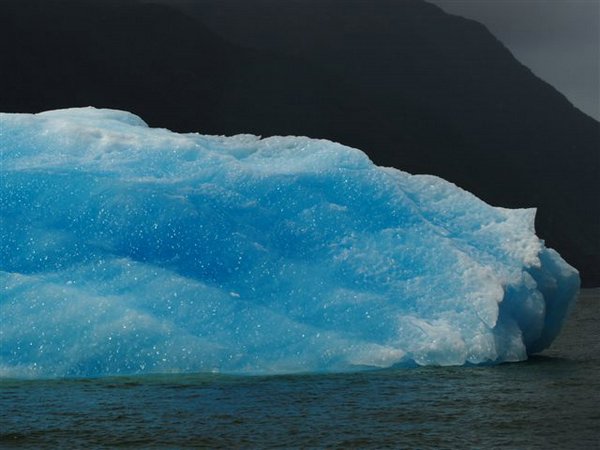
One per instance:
[(551, 401)]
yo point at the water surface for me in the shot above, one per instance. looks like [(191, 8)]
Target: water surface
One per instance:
[(550, 401)]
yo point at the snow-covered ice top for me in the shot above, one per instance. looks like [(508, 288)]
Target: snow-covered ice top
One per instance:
[(126, 249)]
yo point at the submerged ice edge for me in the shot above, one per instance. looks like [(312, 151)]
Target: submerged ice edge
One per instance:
[(127, 249)]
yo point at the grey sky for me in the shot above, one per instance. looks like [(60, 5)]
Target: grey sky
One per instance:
[(559, 40)]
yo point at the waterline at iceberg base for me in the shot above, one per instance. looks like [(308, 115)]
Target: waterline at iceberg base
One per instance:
[(130, 250)]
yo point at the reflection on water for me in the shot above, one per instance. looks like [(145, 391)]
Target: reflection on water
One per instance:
[(550, 401)]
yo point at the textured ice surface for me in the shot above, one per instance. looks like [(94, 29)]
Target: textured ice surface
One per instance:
[(126, 249)]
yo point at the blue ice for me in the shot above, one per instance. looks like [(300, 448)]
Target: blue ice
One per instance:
[(126, 249)]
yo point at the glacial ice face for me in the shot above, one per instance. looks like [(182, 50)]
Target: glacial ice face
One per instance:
[(126, 249)]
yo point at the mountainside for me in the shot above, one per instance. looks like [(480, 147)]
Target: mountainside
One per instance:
[(412, 86)]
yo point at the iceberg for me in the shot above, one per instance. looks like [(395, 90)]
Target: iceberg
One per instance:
[(126, 249)]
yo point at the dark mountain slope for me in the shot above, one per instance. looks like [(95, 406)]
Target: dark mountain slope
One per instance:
[(156, 62), (414, 87)]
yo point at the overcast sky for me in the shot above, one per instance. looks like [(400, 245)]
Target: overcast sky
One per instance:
[(559, 40)]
